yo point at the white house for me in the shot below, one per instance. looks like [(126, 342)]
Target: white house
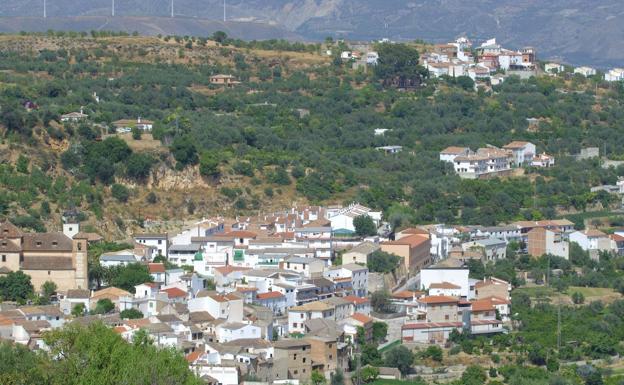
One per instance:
[(450, 153), (455, 276), (523, 152), (298, 315), (74, 116), (274, 300), (554, 68), (119, 258), (342, 219), (159, 241), (228, 306), (493, 248), (231, 331), (593, 241), (445, 288), (543, 160), (357, 273), (585, 71), (615, 75), (310, 267)]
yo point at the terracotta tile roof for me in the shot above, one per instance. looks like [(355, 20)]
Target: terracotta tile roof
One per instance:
[(174, 292), (592, 233), (312, 306), (431, 325), (9, 247), (270, 295), (444, 285), (226, 270), (406, 294), (516, 144), (454, 150), (482, 305), (78, 293), (489, 282), (436, 299), (413, 230), (47, 242), (356, 300), (9, 230), (617, 238), (361, 318), (47, 263), (156, 268), (238, 234), (194, 356), (110, 292), (412, 241), (241, 289)]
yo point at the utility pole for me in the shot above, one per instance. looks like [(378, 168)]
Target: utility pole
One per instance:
[(559, 325), (113, 8), (224, 14), (172, 9), (45, 11)]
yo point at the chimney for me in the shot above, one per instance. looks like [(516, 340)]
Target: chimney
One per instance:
[(81, 110), (139, 120)]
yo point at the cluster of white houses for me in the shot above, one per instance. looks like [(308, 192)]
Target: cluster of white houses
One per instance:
[(492, 161), (457, 59)]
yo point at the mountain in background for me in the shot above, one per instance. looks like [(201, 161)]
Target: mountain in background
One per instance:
[(576, 31)]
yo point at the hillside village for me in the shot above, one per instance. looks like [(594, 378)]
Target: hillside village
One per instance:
[(311, 292), (278, 297)]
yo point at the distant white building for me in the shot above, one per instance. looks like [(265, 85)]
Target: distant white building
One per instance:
[(342, 219), (585, 71), (159, 241), (543, 160), (523, 152), (615, 75), (554, 68)]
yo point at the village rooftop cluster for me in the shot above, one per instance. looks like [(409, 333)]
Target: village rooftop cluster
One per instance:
[(280, 307)]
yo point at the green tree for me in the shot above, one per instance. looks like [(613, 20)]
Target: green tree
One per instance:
[(382, 262), (139, 166), (380, 301), (16, 286), (337, 378), (79, 310), (104, 306), (131, 314), (364, 226), (474, 375), (400, 357), (48, 289), (434, 352), (97, 355), (184, 151), (120, 192), (398, 60), (578, 298), (209, 164), (380, 331), (369, 374), (370, 355), (317, 378), (127, 277)]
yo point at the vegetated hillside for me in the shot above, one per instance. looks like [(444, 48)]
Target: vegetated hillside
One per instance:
[(298, 128), (579, 31)]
